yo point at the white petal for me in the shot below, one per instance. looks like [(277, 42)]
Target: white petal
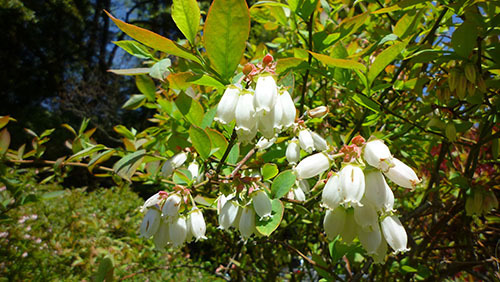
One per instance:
[(331, 196), (178, 231), (377, 154), (264, 143), (161, 237), (334, 222), (395, 234), (262, 204), (265, 123), (228, 215), (245, 112), (306, 140), (179, 159), (171, 205), (247, 222), (289, 110), (151, 201), (167, 169), (370, 239), (150, 223), (194, 169), (227, 105), (352, 184), (266, 93), (299, 194), (366, 216), (293, 151), (197, 224), (350, 228), (319, 142), (402, 175), (312, 166), (304, 185)]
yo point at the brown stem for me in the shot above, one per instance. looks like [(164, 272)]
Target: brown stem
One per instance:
[(242, 162)]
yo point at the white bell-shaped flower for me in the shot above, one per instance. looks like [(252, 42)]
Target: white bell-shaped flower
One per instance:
[(334, 222), (265, 123), (227, 105), (395, 234), (170, 165), (278, 116), (228, 215), (306, 140), (312, 166), (377, 192), (332, 195), (179, 159), (289, 110), (299, 194), (247, 222), (197, 224), (194, 169), (178, 231), (352, 184), (370, 239), (162, 237), (221, 201), (318, 112), (377, 154), (402, 175), (304, 185), (265, 143), (293, 151), (350, 228), (150, 223), (247, 137), (366, 216), (151, 201), (172, 205), (246, 120), (319, 142), (266, 94), (262, 204)]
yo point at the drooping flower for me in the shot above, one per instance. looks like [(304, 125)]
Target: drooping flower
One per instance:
[(352, 184), (161, 237), (262, 204), (197, 224), (150, 223), (319, 142), (172, 205), (227, 105), (247, 222), (299, 194), (312, 165), (334, 222), (377, 154), (178, 231), (366, 216), (332, 195), (171, 164), (245, 113), (194, 169), (151, 201), (306, 140), (350, 227), (402, 175), (395, 234), (266, 94), (379, 255), (228, 214), (377, 192), (265, 143), (288, 109), (268, 122), (370, 239), (293, 151)]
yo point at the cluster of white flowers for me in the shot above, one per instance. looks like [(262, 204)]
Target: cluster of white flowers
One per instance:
[(164, 222), (266, 109)]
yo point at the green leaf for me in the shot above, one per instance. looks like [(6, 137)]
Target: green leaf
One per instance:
[(269, 171), (3, 121), (201, 141), (226, 30), (134, 71), (191, 109), (134, 102), (53, 194), (218, 141), (208, 118), (338, 63), (290, 63), (153, 40), (100, 158), (186, 15), (407, 268), (134, 48), (182, 176), (87, 152), (366, 102), (127, 165), (205, 80), (282, 184), (170, 108), (266, 227), (463, 39), (4, 141), (160, 69), (406, 25), (234, 154), (123, 131), (105, 271), (384, 59), (147, 86)]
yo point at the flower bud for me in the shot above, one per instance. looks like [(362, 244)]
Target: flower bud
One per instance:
[(197, 224), (318, 112), (267, 59), (245, 113), (394, 234), (453, 79), (350, 228), (377, 192), (161, 237), (247, 222), (248, 68), (358, 140), (293, 151), (334, 222), (461, 87), (306, 140), (319, 142), (370, 239), (352, 184), (262, 204), (402, 175), (377, 154), (171, 205), (288, 109), (178, 231), (481, 85), (299, 194), (366, 217), (228, 214), (150, 223), (332, 195), (151, 201), (227, 105), (266, 94), (312, 166)]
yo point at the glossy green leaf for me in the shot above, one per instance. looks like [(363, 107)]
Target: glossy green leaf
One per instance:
[(218, 141), (266, 227), (290, 63), (383, 59), (105, 270), (205, 80), (133, 71), (201, 141), (153, 40), (147, 86), (190, 108), (123, 131), (127, 165), (100, 158), (282, 184), (160, 69), (463, 39), (134, 48), (186, 15), (3, 121), (338, 63), (87, 152), (182, 176), (366, 102), (208, 118), (226, 30), (134, 102), (234, 154), (269, 171)]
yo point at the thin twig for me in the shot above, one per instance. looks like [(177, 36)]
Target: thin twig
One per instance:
[(242, 162)]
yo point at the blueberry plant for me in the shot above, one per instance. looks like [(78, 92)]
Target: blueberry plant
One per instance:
[(342, 140)]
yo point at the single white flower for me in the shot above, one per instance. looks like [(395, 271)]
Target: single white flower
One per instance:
[(370, 239), (402, 175), (228, 214), (265, 143), (247, 222), (299, 194), (150, 223), (197, 224), (377, 154), (179, 159), (289, 110), (227, 105), (332, 195), (161, 238), (262, 204), (151, 201), (334, 222), (266, 94), (194, 169), (319, 142), (366, 216), (293, 151), (247, 137), (395, 234), (350, 228), (312, 166), (246, 121), (167, 169), (377, 192), (178, 231), (306, 140), (352, 184), (172, 205)]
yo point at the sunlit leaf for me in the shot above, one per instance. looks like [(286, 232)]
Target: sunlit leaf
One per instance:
[(186, 15)]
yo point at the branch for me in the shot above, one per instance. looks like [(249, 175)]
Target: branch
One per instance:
[(226, 153), (242, 162)]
